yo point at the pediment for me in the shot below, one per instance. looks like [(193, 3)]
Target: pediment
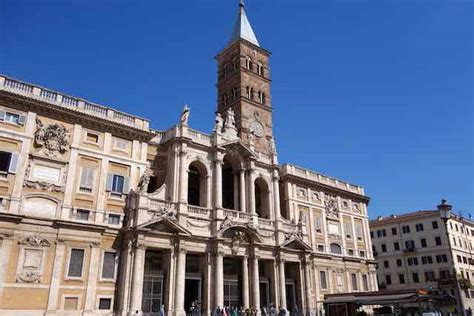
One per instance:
[(239, 147), (166, 225), (229, 229), (295, 242)]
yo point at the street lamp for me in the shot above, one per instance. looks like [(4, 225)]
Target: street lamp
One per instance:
[(445, 213)]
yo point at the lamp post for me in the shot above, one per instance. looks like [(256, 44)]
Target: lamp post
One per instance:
[(445, 213)]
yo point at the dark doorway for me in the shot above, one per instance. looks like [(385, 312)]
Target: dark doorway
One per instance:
[(194, 180), (192, 296), (227, 186), (265, 294)]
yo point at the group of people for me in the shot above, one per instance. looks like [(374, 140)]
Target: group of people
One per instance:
[(252, 311)]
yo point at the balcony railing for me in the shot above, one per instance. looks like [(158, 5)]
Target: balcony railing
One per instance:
[(199, 211)]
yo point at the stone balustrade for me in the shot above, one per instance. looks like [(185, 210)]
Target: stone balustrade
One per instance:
[(69, 102)]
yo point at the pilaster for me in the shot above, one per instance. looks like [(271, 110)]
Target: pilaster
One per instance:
[(92, 279), (56, 278), (5, 254)]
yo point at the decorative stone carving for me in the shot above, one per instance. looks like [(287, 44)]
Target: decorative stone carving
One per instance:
[(29, 277), (35, 241), (43, 185), (183, 120), (230, 131), (226, 223), (144, 180), (164, 212), (54, 139), (332, 209), (219, 123), (237, 240), (356, 207)]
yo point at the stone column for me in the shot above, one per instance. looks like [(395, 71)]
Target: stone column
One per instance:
[(92, 279), (183, 175), (5, 253), (56, 277), (180, 280), (255, 284), (125, 276), (137, 281), (208, 191), (251, 191), (245, 283), (282, 284), (242, 190), (307, 274), (219, 286), (276, 195), (218, 182)]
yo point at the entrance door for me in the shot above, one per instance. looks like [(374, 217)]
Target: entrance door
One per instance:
[(231, 292), (192, 294), (264, 294), (152, 298), (290, 295)]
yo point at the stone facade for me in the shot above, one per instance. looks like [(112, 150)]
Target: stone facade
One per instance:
[(421, 250), (101, 214)]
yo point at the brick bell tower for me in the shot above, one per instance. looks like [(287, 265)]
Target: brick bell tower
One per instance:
[(243, 84)]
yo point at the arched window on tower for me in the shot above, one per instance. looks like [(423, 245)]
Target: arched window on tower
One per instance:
[(251, 93), (235, 93), (197, 187), (248, 63), (263, 98), (262, 198), (247, 92), (260, 69), (259, 96)]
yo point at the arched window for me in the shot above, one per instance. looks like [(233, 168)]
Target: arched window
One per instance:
[(235, 93), (230, 185), (259, 96), (197, 184), (251, 93), (262, 198), (263, 98), (260, 69), (248, 63), (336, 249)]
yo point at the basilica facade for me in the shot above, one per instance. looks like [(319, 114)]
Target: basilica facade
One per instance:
[(100, 214)]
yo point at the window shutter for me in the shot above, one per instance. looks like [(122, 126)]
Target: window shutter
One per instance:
[(110, 180), (22, 120), (87, 177), (13, 163), (126, 185), (83, 177), (2, 115)]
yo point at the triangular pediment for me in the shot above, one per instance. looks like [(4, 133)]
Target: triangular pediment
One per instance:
[(166, 225), (295, 242), (239, 147)]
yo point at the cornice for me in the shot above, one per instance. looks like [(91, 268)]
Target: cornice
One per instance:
[(71, 116)]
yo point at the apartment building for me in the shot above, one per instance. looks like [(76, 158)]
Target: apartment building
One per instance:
[(428, 249)]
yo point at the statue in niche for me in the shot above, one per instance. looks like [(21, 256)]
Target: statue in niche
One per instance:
[(52, 138), (237, 240), (185, 116)]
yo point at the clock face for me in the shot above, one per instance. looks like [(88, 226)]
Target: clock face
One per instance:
[(257, 128)]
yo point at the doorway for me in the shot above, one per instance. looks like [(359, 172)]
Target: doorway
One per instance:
[(192, 295)]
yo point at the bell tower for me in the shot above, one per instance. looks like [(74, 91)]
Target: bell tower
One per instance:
[(243, 84)]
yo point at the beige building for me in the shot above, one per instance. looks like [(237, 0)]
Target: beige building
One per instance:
[(101, 214), (426, 250)]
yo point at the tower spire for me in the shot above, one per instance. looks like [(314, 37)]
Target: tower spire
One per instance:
[(242, 27)]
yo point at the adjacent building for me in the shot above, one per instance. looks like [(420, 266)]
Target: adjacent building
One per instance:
[(101, 214), (429, 249)]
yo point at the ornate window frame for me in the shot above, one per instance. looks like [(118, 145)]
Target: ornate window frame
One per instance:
[(31, 243), (68, 261)]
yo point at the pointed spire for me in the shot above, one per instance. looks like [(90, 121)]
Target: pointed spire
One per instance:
[(242, 27)]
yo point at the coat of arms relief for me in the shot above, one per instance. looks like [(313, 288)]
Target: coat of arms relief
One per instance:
[(54, 138), (331, 206)]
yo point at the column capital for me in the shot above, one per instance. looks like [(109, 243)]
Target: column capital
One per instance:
[(95, 244)]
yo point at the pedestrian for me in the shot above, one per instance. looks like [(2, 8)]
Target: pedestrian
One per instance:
[(162, 310)]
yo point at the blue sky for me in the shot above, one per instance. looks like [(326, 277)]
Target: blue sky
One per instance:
[(375, 92)]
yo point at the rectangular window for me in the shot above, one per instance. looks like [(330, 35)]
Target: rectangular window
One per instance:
[(459, 258), (388, 279), (384, 248), (105, 303), (117, 183), (371, 234), (399, 262), (348, 230), (82, 215), (355, 285), (359, 231), (401, 278), (8, 162), (435, 224), (108, 266), (12, 118), (76, 262), (362, 253), (71, 303), (464, 260), (322, 279), (365, 282), (386, 264), (423, 242), (409, 245), (396, 246), (87, 179), (350, 252), (419, 227), (394, 231), (406, 229), (429, 276), (92, 138), (415, 277), (114, 219), (318, 224), (415, 261), (438, 241)]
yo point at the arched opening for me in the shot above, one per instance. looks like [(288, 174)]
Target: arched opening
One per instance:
[(262, 198), (197, 184), (283, 209), (230, 185), (336, 249)]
